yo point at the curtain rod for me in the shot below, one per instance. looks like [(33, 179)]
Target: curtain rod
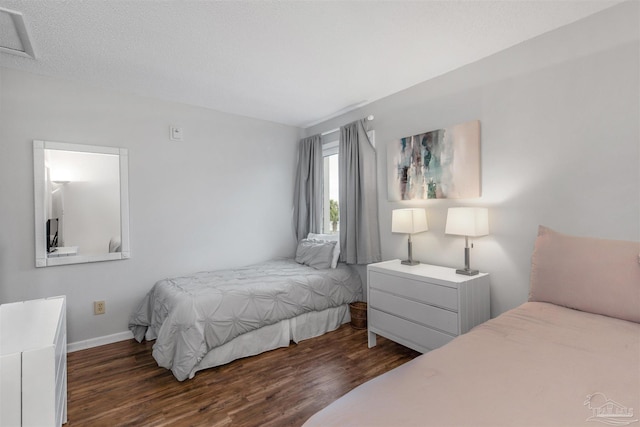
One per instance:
[(368, 118)]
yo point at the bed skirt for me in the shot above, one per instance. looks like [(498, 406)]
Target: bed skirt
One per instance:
[(305, 326)]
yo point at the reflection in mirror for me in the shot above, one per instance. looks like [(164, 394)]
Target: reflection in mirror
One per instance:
[(81, 200)]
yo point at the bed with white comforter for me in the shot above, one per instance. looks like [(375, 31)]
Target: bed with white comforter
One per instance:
[(191, 316)]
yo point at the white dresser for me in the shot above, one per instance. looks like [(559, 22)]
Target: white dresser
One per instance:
[(33, 363), (424, 306)]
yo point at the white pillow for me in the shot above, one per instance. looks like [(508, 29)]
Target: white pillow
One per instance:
[(329, 238)]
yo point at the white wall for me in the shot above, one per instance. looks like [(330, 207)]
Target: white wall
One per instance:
[(221, 198), (559, 146)]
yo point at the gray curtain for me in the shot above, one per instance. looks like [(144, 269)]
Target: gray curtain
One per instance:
[(359, 231), (307, 198)]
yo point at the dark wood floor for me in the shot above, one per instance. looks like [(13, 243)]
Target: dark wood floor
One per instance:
[(120, 384)]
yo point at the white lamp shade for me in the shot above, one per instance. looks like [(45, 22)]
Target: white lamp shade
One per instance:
[(409, 221), (60, 175), (472, 222)]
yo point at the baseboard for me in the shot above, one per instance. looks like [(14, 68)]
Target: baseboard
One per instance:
[(95, 342)]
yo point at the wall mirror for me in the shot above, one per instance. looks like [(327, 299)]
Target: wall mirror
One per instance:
[(81, 203)]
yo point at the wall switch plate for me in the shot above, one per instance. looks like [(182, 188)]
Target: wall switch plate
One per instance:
[(175, 133), (99, 307)]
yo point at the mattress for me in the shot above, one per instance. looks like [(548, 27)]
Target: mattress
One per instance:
[(536, 365), (189, 316)]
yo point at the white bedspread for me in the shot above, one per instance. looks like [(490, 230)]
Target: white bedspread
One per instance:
[(536, 365), (188, 316)]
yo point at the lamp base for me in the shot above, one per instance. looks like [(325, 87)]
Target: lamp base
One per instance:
[(409, 262), (467, 272)]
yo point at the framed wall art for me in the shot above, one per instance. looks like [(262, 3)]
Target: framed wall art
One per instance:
[(439, 164)]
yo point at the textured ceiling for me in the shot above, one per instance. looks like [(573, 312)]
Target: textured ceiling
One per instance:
[(291, 62)]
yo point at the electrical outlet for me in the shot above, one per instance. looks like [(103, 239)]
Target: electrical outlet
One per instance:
[(98, 307)]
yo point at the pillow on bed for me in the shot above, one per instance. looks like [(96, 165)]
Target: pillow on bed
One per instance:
[(330, 238), (315, 253), (594, 275)]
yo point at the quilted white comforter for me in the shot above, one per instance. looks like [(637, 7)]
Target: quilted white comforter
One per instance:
[(188, 316)]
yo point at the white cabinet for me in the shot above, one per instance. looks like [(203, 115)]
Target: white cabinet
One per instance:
[(33, 363), (424, 306)]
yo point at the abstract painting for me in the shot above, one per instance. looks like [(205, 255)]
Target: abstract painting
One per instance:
[(440, 164)]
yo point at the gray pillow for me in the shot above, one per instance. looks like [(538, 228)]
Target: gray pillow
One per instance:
[(315, 253)]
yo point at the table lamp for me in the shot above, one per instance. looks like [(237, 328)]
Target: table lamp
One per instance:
[(467, 222), (409, 221)]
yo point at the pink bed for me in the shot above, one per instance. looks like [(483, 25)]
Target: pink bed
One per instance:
[(570, 356)]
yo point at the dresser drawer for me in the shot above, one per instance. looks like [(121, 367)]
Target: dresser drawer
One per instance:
[(396, 327), (427, 315), (425, 292), (61, 398), (10, 389)]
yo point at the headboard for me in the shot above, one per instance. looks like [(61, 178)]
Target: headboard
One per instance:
[(594, 275)]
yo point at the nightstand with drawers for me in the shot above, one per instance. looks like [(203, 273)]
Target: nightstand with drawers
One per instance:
[(424, 306)]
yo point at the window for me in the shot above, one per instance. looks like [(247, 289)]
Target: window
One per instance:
[(330, 199), (330, 208)]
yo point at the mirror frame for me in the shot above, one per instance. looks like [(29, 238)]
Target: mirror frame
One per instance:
[(40, 187)]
